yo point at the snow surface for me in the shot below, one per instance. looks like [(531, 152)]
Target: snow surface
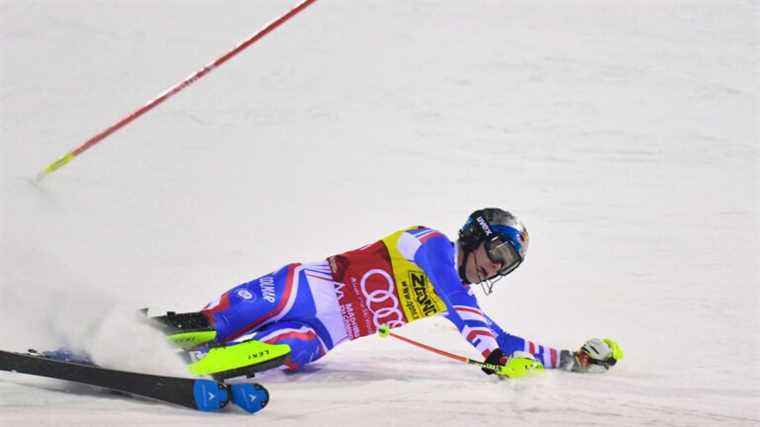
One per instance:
[(624, 134)]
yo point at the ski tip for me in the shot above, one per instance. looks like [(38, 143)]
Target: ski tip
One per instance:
[(251, 397), (210, 395)]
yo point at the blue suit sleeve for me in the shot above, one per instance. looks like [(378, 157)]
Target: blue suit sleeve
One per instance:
[(434, 253)]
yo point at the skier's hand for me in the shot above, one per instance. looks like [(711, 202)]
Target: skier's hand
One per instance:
[(595, 356), (494, 361), (518, 364)]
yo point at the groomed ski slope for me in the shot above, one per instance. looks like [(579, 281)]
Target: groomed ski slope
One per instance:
[(623, 133)]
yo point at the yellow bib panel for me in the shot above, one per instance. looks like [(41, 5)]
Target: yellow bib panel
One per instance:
[(416, 292)]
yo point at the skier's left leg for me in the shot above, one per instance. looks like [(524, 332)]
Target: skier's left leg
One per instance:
[(251, 305), (244, 308)]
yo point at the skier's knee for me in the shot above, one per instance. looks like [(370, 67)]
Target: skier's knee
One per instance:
[(305, 344), (292, 365), (302, 355)]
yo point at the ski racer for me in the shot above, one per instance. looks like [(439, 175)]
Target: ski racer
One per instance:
[(414, 273)]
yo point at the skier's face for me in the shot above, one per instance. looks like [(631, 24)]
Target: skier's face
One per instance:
[(480, 267)]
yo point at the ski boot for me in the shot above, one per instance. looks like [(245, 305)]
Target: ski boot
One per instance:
[(183, 330)]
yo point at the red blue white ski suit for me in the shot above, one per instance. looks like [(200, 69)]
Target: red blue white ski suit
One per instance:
[(406, 276)]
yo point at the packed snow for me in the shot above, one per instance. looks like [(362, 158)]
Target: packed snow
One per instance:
[(623, 133)]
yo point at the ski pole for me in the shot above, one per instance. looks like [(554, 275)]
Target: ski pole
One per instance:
[(385, 331), (518, 365), (66, 158)]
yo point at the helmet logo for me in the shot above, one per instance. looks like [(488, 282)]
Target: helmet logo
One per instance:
[(484, 225)]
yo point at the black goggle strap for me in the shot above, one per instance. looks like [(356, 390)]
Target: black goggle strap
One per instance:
[(606, 363)]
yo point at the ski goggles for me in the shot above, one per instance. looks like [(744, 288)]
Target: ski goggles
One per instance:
[(587, 362), (501, 251)]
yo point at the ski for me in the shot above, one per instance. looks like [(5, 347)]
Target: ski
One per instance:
[(192, 334), (200, 394)]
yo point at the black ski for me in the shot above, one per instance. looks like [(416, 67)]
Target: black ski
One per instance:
[(200, 394)]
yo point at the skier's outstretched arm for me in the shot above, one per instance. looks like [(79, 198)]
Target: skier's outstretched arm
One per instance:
[(434, 252)]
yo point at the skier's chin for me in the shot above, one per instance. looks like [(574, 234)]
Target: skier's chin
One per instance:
[(473, 278), (472, 272)]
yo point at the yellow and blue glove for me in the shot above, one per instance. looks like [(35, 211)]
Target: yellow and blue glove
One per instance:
[(518, 364)]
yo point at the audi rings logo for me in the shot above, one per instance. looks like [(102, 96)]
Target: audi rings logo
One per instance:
[(381, 300)]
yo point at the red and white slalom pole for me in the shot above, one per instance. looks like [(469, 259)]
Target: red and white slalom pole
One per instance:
[(66, 158)]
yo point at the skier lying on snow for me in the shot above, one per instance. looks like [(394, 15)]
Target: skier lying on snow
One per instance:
[(413, 273)]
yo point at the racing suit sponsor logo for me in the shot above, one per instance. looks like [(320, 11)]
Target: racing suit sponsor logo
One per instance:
[(349, 319), (421, 296), (339, 290), (380, 297), (484, 225), (408, 301), (266, 284), (245, 294)]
